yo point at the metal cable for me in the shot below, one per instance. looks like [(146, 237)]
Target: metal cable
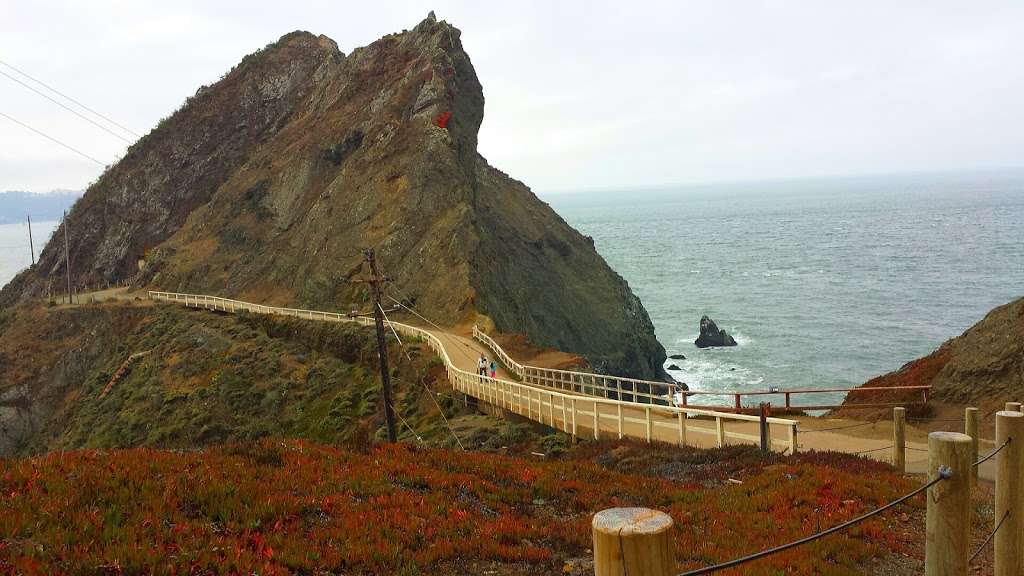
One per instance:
[(436, 404), (69, 109), (55, 91), (407, 425), (989, 538), (428, 321), (992, 453), (944, 473), (52, 139)]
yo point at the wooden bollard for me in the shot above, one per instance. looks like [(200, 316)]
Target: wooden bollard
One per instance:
[(633, 541), (764, 429), (948, 522), (899, 439), (1009, 558), (971, 429), (1013, 406)]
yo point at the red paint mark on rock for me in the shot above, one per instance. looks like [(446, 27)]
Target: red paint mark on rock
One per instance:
[(443, 118)]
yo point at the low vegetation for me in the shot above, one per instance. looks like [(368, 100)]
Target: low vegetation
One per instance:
[(206, 378), (293, 507)]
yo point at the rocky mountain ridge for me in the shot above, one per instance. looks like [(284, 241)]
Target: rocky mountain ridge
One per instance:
[(268, 184)]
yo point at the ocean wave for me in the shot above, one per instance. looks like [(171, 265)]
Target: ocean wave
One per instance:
[(705, 374)]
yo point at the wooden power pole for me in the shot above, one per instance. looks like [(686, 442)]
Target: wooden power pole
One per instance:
[(376, 282), (67, 255), (31, 246)]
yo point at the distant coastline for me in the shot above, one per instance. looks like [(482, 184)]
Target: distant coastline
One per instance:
[(16, 206)]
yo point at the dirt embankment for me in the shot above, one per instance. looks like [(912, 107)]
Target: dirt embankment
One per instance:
[(983, 367)]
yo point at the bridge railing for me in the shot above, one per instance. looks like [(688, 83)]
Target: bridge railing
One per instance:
[(570, 412), (656, 392)]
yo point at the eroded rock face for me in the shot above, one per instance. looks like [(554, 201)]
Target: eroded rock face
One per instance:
[(268, 184), (711, 335)]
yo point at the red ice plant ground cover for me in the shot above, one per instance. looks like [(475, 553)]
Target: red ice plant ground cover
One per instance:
[(284, 507)]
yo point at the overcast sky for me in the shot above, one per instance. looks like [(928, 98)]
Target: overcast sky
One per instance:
[(579, 94)]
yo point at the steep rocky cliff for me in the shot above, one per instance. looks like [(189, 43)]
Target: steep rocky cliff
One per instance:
[(267, 185)]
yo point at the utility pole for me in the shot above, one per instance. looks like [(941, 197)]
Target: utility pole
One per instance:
[(67, 255), (31, 246), (376, 282)]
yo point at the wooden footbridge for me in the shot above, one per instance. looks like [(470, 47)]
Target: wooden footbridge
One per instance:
[(580, 404)]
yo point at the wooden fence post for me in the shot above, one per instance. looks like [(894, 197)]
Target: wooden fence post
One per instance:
[(948, 522), (720, 431), (899, 439), (682, 428), (971, 429), (1009, 558), (572, 404), (633, 541), (597, 423), (647, 418), (763, 426), (619, 407)]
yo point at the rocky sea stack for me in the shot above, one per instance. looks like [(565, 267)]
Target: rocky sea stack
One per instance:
[(268, 184), (711, 335)]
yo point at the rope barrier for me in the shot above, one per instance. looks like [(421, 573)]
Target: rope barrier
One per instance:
[(930, 420), (989, 538), (992, 453), (874, 450), (944, 473), (841, 427)]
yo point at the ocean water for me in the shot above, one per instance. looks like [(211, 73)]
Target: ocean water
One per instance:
[(824, 283), (15, 254)]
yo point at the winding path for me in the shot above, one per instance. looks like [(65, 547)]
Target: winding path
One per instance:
[(582, 404)]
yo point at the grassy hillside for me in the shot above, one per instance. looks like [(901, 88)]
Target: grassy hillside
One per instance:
[(291, 507), (207, 378)]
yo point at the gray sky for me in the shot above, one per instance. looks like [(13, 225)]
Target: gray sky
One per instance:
[(579, 94)]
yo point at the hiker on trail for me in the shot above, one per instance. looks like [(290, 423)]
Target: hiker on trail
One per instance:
[(494, 368), (481, 365)]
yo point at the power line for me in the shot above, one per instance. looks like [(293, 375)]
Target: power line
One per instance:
[(52, 139), (69, 109), (436, 404), (54, 90)]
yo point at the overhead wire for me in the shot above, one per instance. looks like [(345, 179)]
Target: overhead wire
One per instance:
[(69, 98), (434, 400), (68, 108), (52, 139)]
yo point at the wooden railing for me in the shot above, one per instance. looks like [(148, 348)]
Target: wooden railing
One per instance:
[(575, 413), (658, 393)]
